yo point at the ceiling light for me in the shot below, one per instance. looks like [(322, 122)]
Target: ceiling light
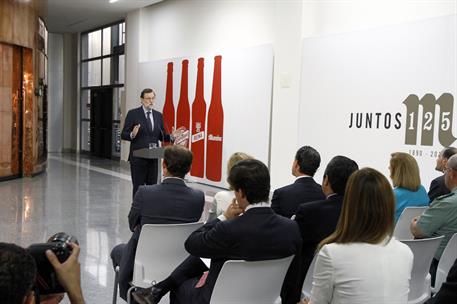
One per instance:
[(112, 1)]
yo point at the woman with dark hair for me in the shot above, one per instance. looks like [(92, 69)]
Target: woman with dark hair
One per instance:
[(361, 262)]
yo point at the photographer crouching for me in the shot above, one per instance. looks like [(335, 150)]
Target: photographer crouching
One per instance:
[(21, 281)]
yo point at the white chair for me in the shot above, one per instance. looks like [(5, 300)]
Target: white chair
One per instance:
[(160, 249), (308, 283), (402, 231), (423, 250), (243, 282), (446, 261)]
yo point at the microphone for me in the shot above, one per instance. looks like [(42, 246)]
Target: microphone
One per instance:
[(166, 127)]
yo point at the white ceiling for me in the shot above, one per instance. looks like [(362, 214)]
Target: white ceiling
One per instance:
[(70, 16)]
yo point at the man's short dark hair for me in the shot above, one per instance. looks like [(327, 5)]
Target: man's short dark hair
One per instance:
[(17, 273), (178, 160), (253, 178), (308, 160), (448, 152), (146, 91), (338, 171)]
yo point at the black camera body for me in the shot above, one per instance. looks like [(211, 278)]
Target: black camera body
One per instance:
[(46, 280)]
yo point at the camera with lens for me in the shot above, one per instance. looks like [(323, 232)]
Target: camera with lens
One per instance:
[(46, 279)]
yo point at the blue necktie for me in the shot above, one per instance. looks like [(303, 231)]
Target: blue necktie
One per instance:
[(148, 120)]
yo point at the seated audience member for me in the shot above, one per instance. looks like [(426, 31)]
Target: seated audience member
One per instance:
[(166, 203), (317, 220), (18, 271), (441, 217), (286, 199), (361, 262), (406, 180), (437, 186), (448, 291), (223, 199), (259, 234)]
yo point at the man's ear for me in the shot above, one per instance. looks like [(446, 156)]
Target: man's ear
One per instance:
[(325, 181)]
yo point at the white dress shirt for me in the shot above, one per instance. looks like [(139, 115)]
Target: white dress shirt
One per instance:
[(361, 273)]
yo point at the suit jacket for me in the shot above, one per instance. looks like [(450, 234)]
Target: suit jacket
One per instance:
[(448, 291), (316, 221), (437, 188), (259, 234), (285, 200), (170, 202), (144, 137)]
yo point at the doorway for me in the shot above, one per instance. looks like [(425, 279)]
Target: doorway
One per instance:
[(101, 113)]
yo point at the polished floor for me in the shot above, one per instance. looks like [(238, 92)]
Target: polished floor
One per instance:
[(87, 197)]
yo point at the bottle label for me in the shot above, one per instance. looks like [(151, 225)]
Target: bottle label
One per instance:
[(214, 137), (198, 136)]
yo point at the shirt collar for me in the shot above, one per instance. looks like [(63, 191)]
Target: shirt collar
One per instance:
[(258, 205)]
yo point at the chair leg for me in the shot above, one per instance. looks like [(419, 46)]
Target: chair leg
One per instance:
[(116, 283)]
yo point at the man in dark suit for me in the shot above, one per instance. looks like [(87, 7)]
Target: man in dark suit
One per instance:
[(437, 186), (143, 127), (259, 234), (286, 199), (317, 220), (448, 291), (166, 203)]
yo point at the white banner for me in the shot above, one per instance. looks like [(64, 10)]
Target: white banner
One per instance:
[(369, 93), (247, 77)]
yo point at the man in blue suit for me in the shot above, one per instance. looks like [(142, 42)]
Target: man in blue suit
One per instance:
[(144, 127)]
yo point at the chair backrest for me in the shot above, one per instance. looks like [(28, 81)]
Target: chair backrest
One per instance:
[(160, 249), (242, 282), (423, 250), (402, 231), (308, 283), (446, 261)]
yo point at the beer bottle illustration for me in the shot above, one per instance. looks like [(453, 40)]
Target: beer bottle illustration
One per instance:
[(215, 128), (168, 107), (198, 125), (183, 111)]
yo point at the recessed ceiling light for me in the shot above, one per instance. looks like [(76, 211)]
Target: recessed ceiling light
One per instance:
[(112, 1)]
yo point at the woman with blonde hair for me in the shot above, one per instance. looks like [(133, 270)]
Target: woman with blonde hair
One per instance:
[(406, 180), (361, 262), (223, 199)]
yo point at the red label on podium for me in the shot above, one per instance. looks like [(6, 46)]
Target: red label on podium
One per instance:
[(215, 130), (198, 125)]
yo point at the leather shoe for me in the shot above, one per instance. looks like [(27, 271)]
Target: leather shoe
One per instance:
[(151, 295)]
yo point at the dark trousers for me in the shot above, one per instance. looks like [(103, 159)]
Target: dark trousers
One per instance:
[(144, 172), (186, 276), (123, 255)]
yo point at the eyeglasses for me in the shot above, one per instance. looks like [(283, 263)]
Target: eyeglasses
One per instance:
[(150, 98)]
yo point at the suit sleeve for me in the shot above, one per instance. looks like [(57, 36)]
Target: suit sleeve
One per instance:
[(135, 210), (304, 222), (128, 126), (434, 190), (210, 241), (275, 202)]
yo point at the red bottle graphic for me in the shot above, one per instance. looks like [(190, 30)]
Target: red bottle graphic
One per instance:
[(168, 108), (183, 111), (198, 125), (215, 128)]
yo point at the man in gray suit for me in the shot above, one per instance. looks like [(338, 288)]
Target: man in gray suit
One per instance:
[(170, 202)]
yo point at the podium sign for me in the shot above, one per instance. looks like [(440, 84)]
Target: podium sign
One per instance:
[(152, 153)]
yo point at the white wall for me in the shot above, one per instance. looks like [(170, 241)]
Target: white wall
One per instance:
[(55, 92), (182, 28)]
